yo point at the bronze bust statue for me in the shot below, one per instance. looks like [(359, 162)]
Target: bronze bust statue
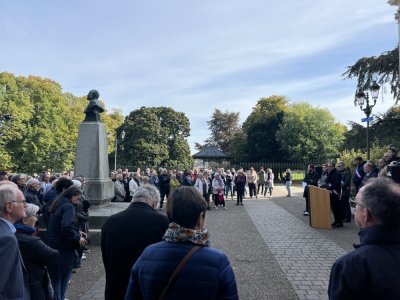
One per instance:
[(93, 110)]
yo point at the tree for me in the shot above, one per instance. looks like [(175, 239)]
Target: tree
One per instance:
[(224, 127), (260, 129), (310, 134), (38, 124), (155, 136), (384, 69), (384, 131)]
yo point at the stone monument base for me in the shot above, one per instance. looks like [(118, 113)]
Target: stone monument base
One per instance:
[(92, 162)]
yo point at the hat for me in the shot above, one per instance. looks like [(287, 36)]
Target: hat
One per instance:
[(76, 183)]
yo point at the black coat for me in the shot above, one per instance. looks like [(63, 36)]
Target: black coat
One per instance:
[(36, 256), (63, 235), (31, 196), (371, 271), (123, 239)]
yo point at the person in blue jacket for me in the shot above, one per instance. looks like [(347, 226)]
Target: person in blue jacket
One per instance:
[(206, 275), (63, 235)]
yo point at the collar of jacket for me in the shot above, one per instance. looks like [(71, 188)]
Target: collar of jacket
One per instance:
[(140, 205), (379, 234)]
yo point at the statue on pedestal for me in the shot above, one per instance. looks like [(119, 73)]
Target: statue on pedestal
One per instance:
[(94, 109)]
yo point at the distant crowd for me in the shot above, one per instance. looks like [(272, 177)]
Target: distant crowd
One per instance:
[(215, 185)]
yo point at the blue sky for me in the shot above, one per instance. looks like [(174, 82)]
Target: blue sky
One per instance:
[(195, 56)]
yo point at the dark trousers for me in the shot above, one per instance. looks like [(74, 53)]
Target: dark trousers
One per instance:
[(207, 198), (252, 189), (240, 195), (336, 208), (262, 185), (346, 210), (217, 201), (163, 194)]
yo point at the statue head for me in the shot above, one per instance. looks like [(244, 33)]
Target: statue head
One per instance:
[(93, 95)]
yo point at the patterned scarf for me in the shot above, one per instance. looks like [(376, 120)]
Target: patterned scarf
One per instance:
[(178, 234)]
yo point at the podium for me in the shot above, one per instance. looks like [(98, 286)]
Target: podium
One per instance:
[(320, 208)]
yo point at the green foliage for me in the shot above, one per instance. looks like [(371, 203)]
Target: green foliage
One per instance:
[(238, 147), (38, 124), (260, 128), (155, 136), (384, 131), (348, 156), (384, 69), (309, 134), (224, 127)]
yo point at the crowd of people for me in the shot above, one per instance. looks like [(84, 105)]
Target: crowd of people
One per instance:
[(146, 265), (61, 204), (215, 185), (337, 179)]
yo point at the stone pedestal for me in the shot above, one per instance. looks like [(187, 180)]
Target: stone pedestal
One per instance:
[(92, 162)]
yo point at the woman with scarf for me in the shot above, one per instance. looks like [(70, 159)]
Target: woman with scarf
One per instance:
[(36, 255), (207, 274), (218, 188), (269, 182)]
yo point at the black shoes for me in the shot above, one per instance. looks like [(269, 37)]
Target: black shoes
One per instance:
[(337, 225)]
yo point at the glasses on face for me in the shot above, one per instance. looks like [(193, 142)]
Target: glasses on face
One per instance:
[(360, 205), (19, 201)]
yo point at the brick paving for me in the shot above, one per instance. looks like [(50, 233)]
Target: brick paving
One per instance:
[(273, 251), (303, 253)]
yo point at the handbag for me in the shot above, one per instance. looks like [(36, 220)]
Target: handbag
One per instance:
[(178, 270), (220, 197)]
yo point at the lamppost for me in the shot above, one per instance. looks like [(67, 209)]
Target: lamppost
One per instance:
[(116, 148), (362, 98)]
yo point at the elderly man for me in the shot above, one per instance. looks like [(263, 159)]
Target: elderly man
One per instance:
[(370, 172), (13, 277), (125, 235), (371, 271), (32, 191), (119, 189), (20, 181)]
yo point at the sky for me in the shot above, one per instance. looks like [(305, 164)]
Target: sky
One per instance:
[(198, 56)]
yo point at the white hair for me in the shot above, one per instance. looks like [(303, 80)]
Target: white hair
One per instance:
[(31, 210), (32, 181), (8, 193), (146, 193)]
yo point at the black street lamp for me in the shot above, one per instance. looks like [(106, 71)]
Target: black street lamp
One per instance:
[(362, 98), (116, 148)]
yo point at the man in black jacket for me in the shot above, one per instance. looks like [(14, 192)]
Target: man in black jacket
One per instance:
[(371, 271), (345, 195), (125, 235), (311, 178), (333, 184)]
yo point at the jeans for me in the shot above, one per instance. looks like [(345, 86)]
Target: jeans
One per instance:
[(288, 184), (60, 285), (228, 188)]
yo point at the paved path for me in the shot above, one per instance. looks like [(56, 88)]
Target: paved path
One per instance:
[(275, 254)]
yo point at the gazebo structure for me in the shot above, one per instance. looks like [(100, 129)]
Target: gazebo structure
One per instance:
[(211, 154)]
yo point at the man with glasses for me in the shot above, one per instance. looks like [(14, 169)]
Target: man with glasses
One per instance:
[(13, 277), (371, 271)]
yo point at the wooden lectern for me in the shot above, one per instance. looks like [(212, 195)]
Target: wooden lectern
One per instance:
[(320, 208)]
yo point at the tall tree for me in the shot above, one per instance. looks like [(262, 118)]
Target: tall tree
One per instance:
[(224, 127), (383, 68), (38, 124), (155, 136), (260, 128), (310, 134)]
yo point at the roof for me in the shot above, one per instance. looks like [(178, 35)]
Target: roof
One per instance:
[(210, 152)]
